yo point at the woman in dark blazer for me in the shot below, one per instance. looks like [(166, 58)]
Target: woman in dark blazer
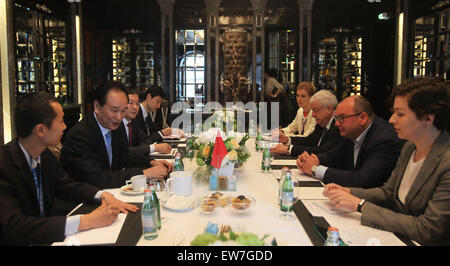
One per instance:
[(415, 201)]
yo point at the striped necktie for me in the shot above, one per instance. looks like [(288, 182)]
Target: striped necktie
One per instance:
[(39, 191)]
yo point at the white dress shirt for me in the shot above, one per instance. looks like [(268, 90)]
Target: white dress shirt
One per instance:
[(320, 171), (72, 222), (411, 171)]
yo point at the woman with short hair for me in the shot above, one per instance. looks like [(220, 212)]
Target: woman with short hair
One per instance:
[(415, 201)]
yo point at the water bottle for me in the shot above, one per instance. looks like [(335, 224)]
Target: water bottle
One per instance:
[(281, 182), (332, 237), (149, 215), (258, 141), (158, 208), (287, 194), (178, 164), (265, 162)]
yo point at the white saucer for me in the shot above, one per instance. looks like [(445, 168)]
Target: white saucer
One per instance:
[(124, 190)]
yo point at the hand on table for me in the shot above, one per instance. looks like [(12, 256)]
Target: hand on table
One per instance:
[(156, 171), (340, 197), (164, 163), (118, 204), (280, 149), (167, 131), (102, 216), (305, 162), (163, 148)]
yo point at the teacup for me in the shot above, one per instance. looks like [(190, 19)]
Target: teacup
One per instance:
[(138, 183), (180, 183)]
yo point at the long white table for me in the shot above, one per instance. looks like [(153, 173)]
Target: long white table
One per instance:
[(262, 219)]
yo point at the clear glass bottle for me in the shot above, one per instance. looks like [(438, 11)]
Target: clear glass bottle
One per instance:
[(149, 215), (178, 164), (258, 141), (332, 237), (287, 194), (280, 183), (158, 207)]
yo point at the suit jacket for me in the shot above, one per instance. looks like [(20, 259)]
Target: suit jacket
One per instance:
[(297, 125), (148, 126), (376, 158), (332, 138), (85, 158), (425, 216), (140, 141), (20, 222)]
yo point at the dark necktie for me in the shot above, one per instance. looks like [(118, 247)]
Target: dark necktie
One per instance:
[(130, 134), (39, 191)]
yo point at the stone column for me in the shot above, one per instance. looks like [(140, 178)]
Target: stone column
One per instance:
[(212, 35), (305, 60), (8, 86), (78, 87), (167, 55), (259, 7), (401, 44)]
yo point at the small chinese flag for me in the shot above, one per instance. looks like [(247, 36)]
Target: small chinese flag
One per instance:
[(219, 152)]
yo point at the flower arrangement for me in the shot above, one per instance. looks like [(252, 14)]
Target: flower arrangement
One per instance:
[(203, 147), (231, 239)]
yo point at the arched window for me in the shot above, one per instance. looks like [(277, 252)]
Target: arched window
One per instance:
[(190, 64)]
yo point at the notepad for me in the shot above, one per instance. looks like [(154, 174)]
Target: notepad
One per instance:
[(285, 162), (309, 193), (109, 235)]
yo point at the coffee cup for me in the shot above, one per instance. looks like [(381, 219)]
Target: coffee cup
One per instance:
[(180, 183), (138, 183)]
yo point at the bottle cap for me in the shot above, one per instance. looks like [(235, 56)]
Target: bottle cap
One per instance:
[(333, 229)]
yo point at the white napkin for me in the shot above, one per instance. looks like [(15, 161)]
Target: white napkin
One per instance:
[(178, 202)]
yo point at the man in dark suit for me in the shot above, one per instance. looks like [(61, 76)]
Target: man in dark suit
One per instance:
[(325, 135), (97, 153), (365, 156), (147, 117), (139, 143), (30, 178)]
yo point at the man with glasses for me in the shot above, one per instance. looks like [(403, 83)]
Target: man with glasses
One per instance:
[(325, 135), (366, 155)]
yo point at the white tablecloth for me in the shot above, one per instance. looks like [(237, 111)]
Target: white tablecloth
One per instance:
[(262, 219)]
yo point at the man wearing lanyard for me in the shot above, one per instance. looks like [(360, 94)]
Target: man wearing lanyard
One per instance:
[(325, 135), (30, 178), (365, 156), (138, 142), (146, 118)]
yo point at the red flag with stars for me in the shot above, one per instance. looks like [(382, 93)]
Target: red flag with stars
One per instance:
[(219, 152)]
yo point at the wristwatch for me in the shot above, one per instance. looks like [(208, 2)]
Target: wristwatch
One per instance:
[(360, 205), (313, 170)]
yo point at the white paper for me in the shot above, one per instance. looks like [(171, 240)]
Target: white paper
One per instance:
[(96, 236), (284, 162), (309, 193), (350, 229), (297, 175), (172, 153), (328, 207)]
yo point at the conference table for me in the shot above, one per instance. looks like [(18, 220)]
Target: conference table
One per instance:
[(312, 211)]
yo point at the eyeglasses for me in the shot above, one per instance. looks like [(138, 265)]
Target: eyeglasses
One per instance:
[(340, 118)]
